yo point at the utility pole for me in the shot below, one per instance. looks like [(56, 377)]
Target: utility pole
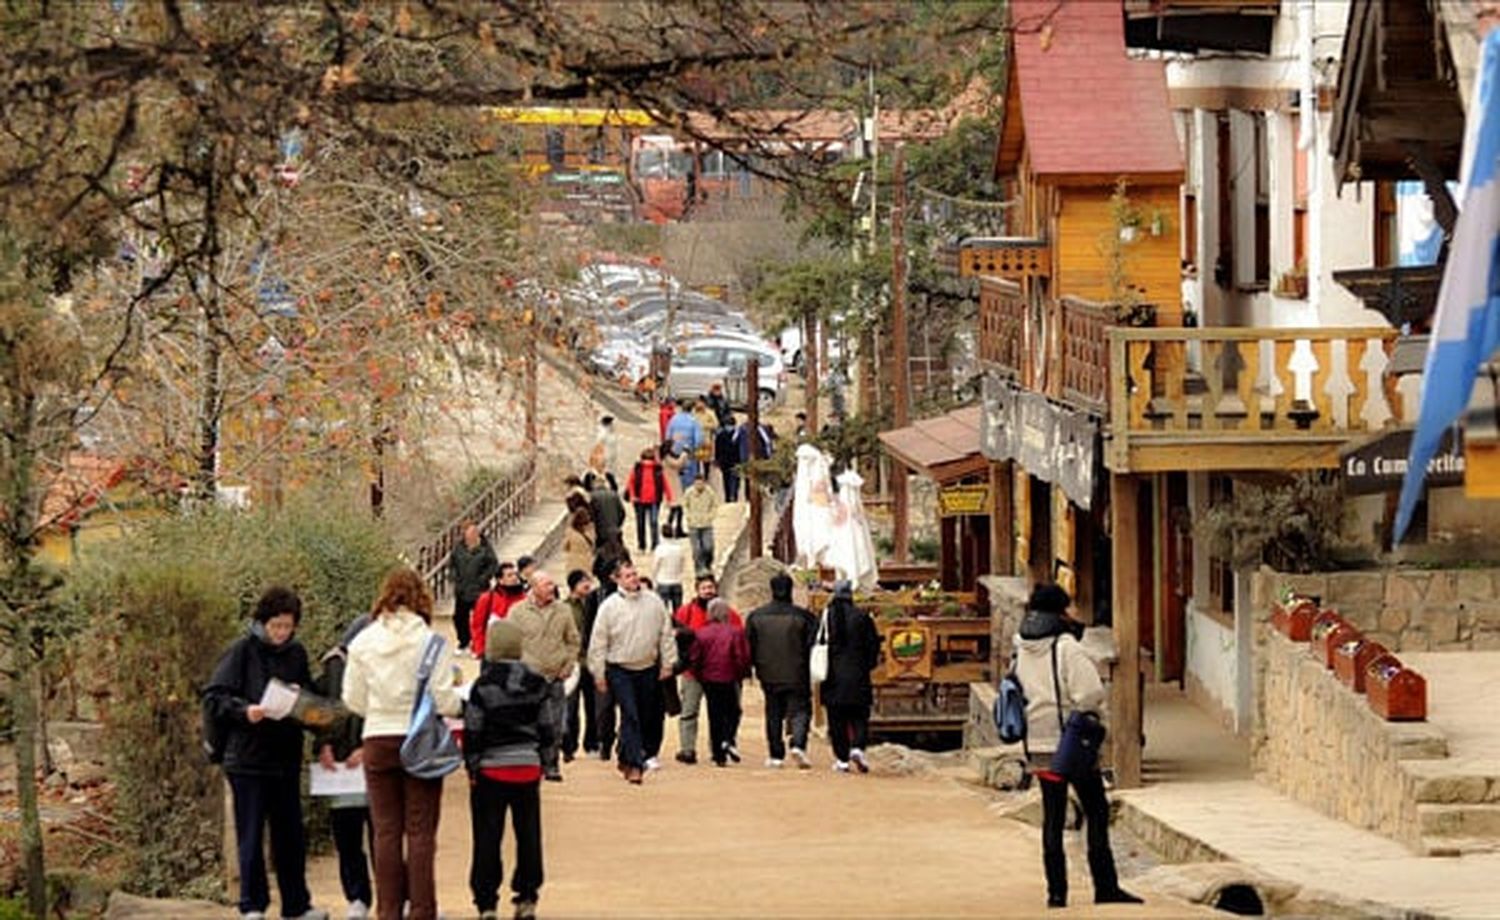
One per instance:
[(752, 491), (531, 382), (812, 368), (900, 362)]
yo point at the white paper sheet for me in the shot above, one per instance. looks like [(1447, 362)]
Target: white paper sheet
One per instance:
[(278, 699), (341, 780)]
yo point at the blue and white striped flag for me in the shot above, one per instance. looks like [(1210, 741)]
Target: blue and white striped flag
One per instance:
[(1466, 326)]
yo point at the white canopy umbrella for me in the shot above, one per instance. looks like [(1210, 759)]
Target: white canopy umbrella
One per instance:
[(851, 551), (813, 505)]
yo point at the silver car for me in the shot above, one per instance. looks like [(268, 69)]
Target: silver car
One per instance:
[(699, 363)]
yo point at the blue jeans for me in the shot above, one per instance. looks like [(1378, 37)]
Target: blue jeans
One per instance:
[(646, 517), (277, 800), (702, 541), (637, 695)]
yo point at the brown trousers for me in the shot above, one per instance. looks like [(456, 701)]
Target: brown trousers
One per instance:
[(403, 809)]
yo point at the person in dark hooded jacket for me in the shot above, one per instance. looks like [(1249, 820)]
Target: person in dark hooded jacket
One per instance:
[(1059, 678), (506, 726), (853, 652), (263, 756), (781, 637)]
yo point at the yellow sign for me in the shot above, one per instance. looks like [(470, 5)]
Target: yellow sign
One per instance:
[(908, 651), (954, 501)]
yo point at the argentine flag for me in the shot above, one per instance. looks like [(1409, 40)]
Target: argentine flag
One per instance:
[(1466, 325)]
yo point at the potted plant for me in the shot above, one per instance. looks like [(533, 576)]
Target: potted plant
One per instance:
[(1292, 284)]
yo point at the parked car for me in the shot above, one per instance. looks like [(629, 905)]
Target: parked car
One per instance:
[(791, 347), (698, 364)]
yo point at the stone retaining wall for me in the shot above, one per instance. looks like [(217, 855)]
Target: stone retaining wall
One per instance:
[(1318, 742), (1404, 610)]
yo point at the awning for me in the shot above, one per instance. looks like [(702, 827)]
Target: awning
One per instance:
[(944, 449)]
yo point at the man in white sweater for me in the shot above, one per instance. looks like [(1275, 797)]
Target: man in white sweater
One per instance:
[(632, 649)]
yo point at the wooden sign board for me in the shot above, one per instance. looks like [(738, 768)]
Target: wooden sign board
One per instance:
[(957, 501), (908, 651), (1481, 469)]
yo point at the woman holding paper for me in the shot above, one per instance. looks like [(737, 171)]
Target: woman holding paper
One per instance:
[(263, 753), (380, 684)]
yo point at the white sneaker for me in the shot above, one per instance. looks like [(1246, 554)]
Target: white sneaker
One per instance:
[(858, 757), (253, 915), (358, 910), (800, 756), (840, 767), (652, 764), (773, 762)]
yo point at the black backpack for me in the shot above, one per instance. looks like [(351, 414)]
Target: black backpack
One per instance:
[(215, 733)]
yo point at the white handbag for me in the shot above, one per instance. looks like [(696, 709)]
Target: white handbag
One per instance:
[(817, 659)]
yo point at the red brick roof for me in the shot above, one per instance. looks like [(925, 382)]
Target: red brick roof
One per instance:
[(1086, 107)]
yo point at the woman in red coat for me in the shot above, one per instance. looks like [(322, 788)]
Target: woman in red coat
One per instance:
[(720, 656)]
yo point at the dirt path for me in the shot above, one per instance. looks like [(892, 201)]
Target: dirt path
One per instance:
[(747, 841)]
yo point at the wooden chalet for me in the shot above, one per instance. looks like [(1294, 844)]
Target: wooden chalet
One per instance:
[(1092, 427)]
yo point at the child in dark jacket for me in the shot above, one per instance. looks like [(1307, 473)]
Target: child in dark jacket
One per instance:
[(505, 730), (343, 743), (720, 657)]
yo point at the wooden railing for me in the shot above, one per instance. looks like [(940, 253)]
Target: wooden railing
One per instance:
[(1002, 325), (1085, 352), (1240, 384), (508, 499)]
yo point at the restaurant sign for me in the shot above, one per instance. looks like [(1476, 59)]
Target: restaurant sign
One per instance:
[(1051, 442), (1380, 465)]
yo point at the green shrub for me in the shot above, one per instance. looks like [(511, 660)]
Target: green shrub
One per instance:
[(14, 909), (164, 606)]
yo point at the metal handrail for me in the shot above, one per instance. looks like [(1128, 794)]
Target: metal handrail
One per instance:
[(508, 499)]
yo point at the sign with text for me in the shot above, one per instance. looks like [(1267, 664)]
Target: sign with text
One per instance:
[(1380, 465), (956, 501)]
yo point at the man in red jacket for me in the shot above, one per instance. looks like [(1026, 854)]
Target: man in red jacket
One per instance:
[(690, 617), (496, 602)]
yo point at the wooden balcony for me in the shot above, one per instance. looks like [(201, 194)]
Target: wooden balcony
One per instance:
[(1008, 257), (1234, 398), (1002, 328)]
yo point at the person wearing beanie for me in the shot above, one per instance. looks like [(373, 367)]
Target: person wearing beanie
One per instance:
[(847, 694), (506, 726), (720, 656), (1059, 679), (781, 636)]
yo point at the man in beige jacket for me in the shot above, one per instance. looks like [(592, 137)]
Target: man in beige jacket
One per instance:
[(550, 643), (631, 650)]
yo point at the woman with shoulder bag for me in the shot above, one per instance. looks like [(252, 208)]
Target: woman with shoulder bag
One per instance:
[(380, 684), (1064, 727)]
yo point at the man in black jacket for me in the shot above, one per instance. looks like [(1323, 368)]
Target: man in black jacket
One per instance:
[(263, 755), (781, 637), (472, 565)]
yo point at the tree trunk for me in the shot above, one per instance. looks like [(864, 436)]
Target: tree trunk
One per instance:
[(810, 365), (23, 707), (210, 400)]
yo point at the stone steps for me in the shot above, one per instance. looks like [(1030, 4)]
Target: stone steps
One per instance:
[(1463, 820)]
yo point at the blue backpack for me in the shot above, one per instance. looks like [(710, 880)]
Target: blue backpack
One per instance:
[(1010, 709)]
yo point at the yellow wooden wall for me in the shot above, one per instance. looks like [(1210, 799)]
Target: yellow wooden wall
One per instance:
[(1082, 225)]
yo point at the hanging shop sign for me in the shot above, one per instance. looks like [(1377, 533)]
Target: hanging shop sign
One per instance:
[(961, 500), (1380, 465)]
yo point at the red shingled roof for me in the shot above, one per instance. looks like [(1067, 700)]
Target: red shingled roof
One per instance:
[(1086, 107)]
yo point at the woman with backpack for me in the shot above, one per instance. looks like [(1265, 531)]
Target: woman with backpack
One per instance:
[(1062, 687), (380, 684), (262, 755), (853, 652), (646, 489)]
